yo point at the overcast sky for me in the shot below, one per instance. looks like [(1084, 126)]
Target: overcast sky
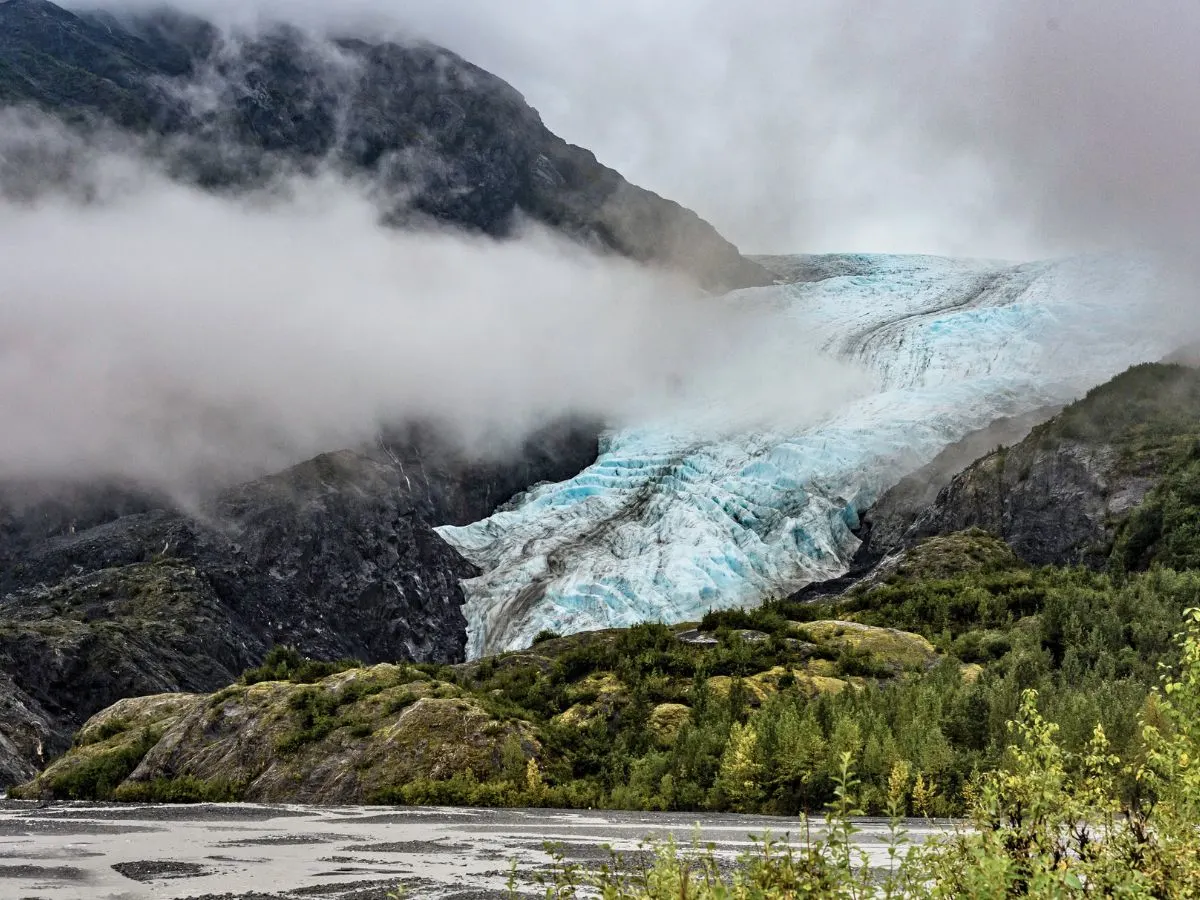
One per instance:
[(758, 115), (1007, 128)]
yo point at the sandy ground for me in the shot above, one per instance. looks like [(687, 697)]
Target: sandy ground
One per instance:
[(247, 852)]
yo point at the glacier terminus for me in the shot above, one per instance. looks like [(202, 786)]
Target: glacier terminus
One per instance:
[(671, 520)]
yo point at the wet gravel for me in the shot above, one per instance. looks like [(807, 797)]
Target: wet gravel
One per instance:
[(409, 847), (153, 870), (108, 852), (56, 873), (287, 840)]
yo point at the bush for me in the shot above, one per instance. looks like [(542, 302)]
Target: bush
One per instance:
[(185, 789), (97, 777), (108, 729), (287, 664)]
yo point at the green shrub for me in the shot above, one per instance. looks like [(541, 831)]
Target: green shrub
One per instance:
[(97, 776), (287, 664), (316, 718), (184, 789), (107, 729)]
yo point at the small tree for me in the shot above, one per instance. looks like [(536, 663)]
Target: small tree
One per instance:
[(740, 777)]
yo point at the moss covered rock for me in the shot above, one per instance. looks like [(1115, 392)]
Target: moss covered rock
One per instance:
[(875, 649), (971, 672), (346, 739), (804, 680), (756, 691), (109, 748), (950, 555), (666, 721)]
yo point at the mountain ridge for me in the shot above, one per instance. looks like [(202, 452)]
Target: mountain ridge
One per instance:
[(443, 140), (109, 590)]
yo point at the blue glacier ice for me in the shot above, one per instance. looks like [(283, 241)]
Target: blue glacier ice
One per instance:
[(673, 520)]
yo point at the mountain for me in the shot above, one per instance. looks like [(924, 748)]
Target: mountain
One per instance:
[(438, 138), (107, 592)]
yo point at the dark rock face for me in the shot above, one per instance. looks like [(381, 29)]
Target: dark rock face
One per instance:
[(1060, 495), (891, 526), (437, 137), (887, 523), (794, 268), (1052, 506), (27, 734), (108, 593)]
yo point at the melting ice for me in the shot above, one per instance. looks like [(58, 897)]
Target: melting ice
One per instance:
[(672, 521)]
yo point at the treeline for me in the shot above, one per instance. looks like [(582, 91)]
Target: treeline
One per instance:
[(1091, 644), (1046, 823)]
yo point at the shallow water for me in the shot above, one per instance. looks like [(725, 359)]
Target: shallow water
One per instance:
[(248, 852)]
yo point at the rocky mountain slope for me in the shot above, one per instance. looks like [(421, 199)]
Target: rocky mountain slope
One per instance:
[(1065, 493), (437, 137), (107, 593)]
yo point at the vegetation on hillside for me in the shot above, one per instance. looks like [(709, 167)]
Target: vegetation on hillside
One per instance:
[(1046, 823), (918, 670), (1148, 412), (751, 711)]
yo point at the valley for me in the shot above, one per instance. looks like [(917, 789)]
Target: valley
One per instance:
[(388, 485)]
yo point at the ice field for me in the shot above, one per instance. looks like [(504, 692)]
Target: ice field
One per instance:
[(673, 520)]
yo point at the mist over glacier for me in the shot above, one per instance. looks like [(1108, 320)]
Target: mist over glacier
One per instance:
[(677, 517)]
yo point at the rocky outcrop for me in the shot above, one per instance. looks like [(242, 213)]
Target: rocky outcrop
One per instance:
[(885, 524), (438, 138), (898, 650), (349, 739), (1053, 505), (108, 593), (1060, 495)]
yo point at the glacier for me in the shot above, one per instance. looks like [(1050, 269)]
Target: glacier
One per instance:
[(673, 519)]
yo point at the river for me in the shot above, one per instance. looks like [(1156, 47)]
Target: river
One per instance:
[(248, 852)]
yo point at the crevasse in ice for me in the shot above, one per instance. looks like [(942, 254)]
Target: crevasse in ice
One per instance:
[(669, 523)]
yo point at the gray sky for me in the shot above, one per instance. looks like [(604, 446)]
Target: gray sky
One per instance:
[(174, 335), (1007, 128), (160, 333), (1010, 128)]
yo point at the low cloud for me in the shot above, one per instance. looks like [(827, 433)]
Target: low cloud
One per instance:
[(152, 331), (997, 128)]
